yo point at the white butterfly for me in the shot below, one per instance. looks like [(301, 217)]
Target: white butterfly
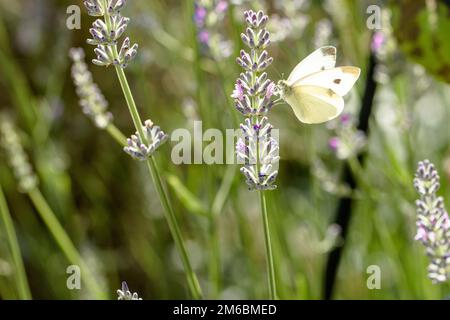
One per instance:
[(314, 89)]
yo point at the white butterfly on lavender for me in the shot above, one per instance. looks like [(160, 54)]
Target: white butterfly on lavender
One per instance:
[(315, 87)]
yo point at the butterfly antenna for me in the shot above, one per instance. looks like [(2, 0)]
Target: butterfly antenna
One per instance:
[(281, 75)]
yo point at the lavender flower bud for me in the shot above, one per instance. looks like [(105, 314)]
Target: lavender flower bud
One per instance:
[(115, 6), (95, 7), (127, 54)]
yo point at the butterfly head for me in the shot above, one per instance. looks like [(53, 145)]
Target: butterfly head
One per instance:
[(283, 88)]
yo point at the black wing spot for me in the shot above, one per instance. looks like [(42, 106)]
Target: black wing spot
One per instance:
[(337, 81)]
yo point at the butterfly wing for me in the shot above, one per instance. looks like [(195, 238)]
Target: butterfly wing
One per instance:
[(340, 79), (321, 59), (313, 104)]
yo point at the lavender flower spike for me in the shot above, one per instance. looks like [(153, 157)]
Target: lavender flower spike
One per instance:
[(92, 101), (433, 223), (257, 148), (16, 156), (106, 32)]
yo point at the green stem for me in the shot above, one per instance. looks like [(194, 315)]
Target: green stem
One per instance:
[(216, 209), (126, 87), (214, 265), (224, 190), (22, 282), (268, 242), (193, 283), (269, 254), (130, 101), (64, 242), (117, 134), (170, 216)]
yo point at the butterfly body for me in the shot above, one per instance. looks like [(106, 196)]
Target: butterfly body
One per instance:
[(314, 89)]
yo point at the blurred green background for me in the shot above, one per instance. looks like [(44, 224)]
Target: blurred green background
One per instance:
[(107, 203)]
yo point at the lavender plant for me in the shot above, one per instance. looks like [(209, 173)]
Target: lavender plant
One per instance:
[(28, 184), (433, 223), (105, 31), (257, 148), (92, 101), (23, 288)]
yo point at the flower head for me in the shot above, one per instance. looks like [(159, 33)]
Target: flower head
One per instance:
[(106, 32), (433, 223), (257, 148), (126, 294), (141, 150)]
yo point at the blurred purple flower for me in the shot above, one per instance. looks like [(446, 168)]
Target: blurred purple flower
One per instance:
[(333, 143), (208, 17), (378, 40), (346, 118), (203, 37), (199, 15), (222, 6)]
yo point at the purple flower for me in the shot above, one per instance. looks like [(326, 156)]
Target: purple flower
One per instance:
[(238, 92), (346, 118), (200, 15), (222, 6), (270, 90), (241, 147), (421, 234), (333, 143), (203, 36), (252, 94), (378, 40)]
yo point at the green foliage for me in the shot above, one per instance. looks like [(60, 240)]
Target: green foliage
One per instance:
[(422, 32), (108, 206)]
